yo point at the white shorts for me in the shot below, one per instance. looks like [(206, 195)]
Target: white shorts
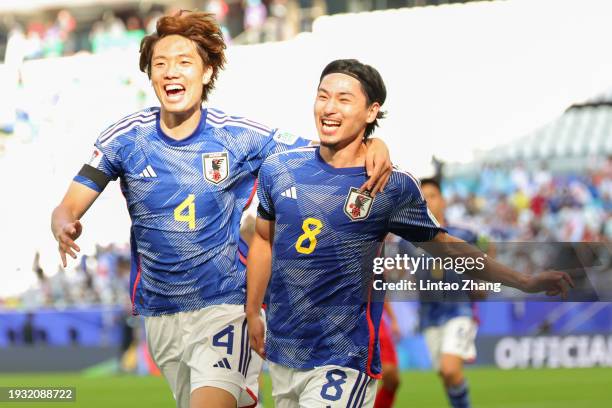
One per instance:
[(455, 337), (205, 348), (327, 386)]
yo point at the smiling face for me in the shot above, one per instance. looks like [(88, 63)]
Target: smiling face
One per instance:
[(178, 74), (341, 110)]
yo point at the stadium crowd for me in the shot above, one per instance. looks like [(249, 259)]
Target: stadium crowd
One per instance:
[(64, 34), (515, 203), (98, 279)]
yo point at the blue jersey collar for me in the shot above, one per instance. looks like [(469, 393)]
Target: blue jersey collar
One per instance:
[(186, 141), (337, 170)]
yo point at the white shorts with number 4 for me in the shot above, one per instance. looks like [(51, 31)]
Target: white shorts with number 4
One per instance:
[(327, 386), (457, 337), (205, 348)]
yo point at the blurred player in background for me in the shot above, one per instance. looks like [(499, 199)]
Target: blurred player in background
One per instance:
[(315, 240), (187, 172), (450, 326)]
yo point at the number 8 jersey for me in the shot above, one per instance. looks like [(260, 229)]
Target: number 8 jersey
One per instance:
[(185, 200), (327, 233)]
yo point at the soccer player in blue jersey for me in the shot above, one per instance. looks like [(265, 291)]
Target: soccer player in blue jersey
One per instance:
[(316, 237), (450, 325), (187, 173)]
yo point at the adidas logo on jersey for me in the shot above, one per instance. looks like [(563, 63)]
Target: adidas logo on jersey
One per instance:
[(148, 172), (223, 364), (290, 193)]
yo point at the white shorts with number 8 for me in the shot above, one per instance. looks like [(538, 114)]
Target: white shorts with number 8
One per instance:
[(327, 386)]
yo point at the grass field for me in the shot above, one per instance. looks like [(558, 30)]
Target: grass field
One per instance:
[(575, 388)]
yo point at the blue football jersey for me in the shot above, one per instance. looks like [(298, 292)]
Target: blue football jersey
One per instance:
[(327, 233), (185, 199), (440, 306)]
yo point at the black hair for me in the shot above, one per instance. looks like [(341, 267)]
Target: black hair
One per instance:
[(370, 80), (434, 182)]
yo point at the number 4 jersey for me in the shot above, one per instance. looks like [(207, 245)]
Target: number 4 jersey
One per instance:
[(185, 200), (320, 308)]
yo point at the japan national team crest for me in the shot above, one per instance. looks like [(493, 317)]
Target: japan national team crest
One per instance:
[(216, 166), (358, 204)]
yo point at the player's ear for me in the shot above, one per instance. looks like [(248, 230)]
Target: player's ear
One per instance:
[(372, 112), (208, 71)]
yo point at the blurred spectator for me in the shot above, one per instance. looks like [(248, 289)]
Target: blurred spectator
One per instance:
[(28, 330), (11, 335), (220, 9), (16, 46), (108, 33), (151, 21), (34, 40), (283, 21), (255, 14), (73, 335)]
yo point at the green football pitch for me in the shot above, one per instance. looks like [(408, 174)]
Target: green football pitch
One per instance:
[(546, 388)]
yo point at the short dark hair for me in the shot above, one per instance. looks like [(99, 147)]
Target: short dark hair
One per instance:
[(430, 180), (370, 80)]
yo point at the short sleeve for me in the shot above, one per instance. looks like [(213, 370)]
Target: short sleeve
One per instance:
[(103, 165), (411, 219), (265, 209), (275, 142), (283, 141)]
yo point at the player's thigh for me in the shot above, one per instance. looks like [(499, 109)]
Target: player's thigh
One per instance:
[(211, 396), (458, 338), (217, 349), (451, 366), (390, 376), (433, 340), (285, 386), (334, 386), (165, 347)]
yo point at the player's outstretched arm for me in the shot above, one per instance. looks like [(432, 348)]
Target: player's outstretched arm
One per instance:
[(259, 269), (551, 282), (378, 166), (65, 223)]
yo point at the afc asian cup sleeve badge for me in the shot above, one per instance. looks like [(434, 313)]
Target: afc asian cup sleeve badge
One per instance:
[(285, 138), (358, 204), (95, 158), (216, 166)]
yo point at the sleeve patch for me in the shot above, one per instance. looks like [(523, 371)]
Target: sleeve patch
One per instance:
[(96, 158), (285, 137)]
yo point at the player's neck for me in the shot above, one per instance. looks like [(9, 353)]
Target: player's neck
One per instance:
[(350, 155), (180, 125)]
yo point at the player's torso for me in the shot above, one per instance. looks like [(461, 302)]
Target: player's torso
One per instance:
[(182, 196), (185, 199), (324, 223), (326, 235)]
